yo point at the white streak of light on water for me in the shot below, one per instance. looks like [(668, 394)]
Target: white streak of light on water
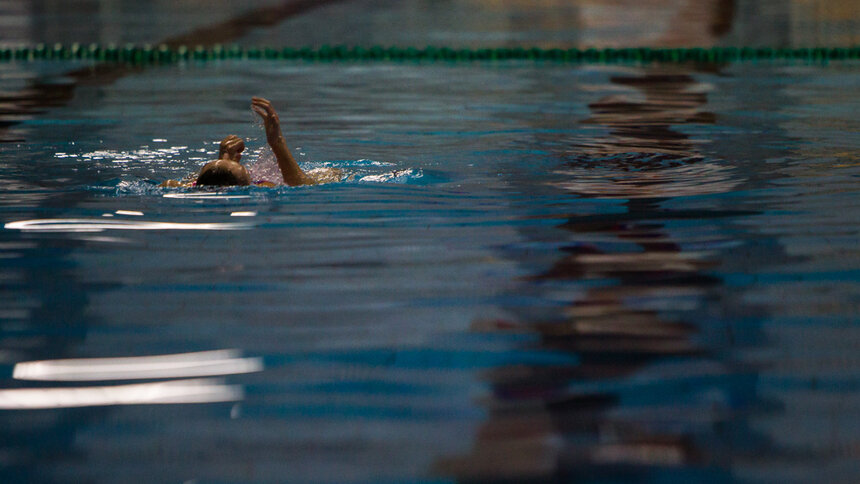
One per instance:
[(183, 365), (170, 392), (99, 225)]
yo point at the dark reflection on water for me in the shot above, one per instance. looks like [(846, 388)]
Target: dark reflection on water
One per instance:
[(651, 391), (644, 124), (51, 24), (644, 154)]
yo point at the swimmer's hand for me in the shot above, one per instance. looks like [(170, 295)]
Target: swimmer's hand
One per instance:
[(290, 170), (232, 148), (270, 118)]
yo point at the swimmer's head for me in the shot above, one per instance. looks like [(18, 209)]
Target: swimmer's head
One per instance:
[(224, 172), (231, 148)]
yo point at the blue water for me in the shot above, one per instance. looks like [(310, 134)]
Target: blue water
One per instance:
[(530, 272)]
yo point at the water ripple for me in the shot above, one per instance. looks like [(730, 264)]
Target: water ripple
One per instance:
[(644, 175)]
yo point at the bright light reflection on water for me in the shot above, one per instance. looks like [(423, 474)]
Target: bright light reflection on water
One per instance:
[(207, 363), (169, 392), (100, 225)]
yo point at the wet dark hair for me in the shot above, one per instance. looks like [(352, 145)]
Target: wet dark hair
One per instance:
[(219, 174)]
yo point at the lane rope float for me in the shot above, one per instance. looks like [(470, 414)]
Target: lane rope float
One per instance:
[(162, 54)]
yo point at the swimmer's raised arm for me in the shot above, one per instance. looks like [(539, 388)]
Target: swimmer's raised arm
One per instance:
[(293, 174)]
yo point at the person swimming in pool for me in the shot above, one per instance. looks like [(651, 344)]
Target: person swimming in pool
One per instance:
[(227, 171)]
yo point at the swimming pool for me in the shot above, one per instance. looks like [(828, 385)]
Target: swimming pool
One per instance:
[(537, 271), (532, 271)]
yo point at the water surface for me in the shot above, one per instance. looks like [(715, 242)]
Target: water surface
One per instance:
[(534, 271)]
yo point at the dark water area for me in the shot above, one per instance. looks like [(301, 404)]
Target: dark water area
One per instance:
[(530, 272), (538, 273)]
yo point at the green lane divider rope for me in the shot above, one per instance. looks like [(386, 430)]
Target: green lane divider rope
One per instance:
[(146, 54)]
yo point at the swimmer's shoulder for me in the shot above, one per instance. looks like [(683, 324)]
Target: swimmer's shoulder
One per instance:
[(317, 176), (177, 184)]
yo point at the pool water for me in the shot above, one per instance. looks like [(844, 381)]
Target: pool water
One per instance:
[(531, 272)]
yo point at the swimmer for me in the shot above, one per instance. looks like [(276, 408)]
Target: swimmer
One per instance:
[(227, 171)]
